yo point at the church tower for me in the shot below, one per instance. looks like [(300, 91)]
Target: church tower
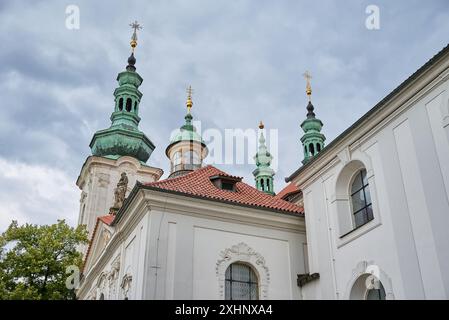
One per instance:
[(313, 139), (119, 153), (263, 174), (187, 149)]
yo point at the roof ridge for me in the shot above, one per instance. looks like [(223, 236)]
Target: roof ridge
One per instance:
[(153, 183), (274, 198), (197, 171)]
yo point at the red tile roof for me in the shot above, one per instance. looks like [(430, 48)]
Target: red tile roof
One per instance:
[(107, 219), (198, 184), (288, 190)]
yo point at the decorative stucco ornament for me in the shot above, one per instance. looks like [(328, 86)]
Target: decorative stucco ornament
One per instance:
[(242, 253)]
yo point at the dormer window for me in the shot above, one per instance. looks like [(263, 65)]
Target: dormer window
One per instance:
[(226, 183)]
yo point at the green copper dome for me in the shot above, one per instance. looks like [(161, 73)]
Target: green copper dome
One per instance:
[(186, 149), (313, 139), (186, 133), (123, 137)]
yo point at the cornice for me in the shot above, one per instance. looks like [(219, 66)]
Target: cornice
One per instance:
[(111, 163)]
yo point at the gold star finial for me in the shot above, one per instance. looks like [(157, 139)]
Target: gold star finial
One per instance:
[(261, 125), (136, 26), (189, 102), (308, 76)]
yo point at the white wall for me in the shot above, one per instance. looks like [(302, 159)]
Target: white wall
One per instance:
[(407, 159), (171, 251), (186, 250)]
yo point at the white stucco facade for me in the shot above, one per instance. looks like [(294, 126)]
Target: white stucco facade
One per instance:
[(165, 245), (404, 148), (173, 247)]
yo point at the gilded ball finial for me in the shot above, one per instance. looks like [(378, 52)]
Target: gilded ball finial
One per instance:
[(261, 125), (189, 102), (136, 26)]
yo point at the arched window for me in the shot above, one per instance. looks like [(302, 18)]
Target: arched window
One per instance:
[(135, 105), (187, 160), (128, 104), (262, 184), (353, 193), (101, 297), (362, 208), (241, 283), (191, 160), (194, 158), (120, 104), (312, 149), (318, 147), (177, 160)]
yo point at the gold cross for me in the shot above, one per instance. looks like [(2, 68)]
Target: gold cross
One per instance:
[(189, 92), (308, 76), (136, 26)]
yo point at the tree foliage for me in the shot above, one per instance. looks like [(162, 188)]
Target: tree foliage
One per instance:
[(33, 260)]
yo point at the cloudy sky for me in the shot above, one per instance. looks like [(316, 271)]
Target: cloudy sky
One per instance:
[(245, 60)]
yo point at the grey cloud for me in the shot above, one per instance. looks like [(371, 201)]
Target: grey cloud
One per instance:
[(243, 58)]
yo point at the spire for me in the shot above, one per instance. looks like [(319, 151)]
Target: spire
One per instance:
[(310, 113), (189, 102), (123, 137), (313, 139), (132, 60), (187, 149), (188, 117), (263, 174), (308, 76)]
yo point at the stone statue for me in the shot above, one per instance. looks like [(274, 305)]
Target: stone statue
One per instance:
[(120, 193)]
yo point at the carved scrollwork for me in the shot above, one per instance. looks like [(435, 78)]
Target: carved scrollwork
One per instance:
[(126, 284), (243, 253), (113, 277)]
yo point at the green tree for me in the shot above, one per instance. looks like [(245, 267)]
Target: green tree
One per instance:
[(33, 260)]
